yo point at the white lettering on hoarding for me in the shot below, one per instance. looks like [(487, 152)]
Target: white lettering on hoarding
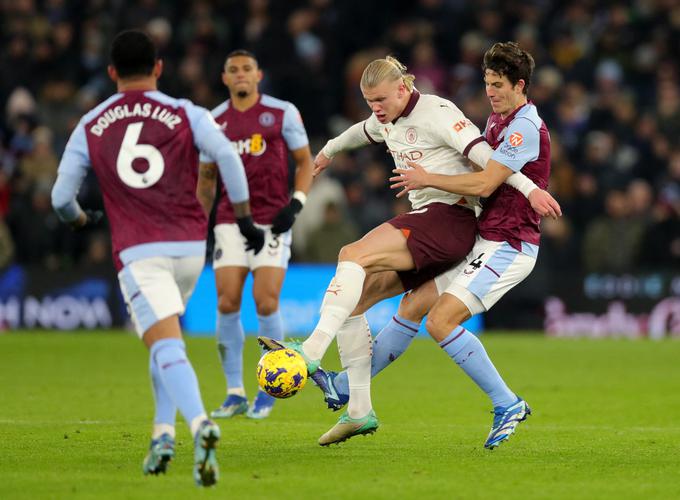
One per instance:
[(65, 312), (664, 320)]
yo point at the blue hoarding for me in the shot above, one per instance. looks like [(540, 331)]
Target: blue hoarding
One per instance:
[(303, 291)]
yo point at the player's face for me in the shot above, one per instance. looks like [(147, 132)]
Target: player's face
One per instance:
[(503, 95), (387, 99), (241, 75)]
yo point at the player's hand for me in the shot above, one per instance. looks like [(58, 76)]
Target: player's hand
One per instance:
[(321, 162), (409, 179), (544, 204), (90, 218), (254, 235), (285, 219)]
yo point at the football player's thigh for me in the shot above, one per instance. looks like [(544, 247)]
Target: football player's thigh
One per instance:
[(483, 265), (515, 273), (384, 248), (267, 283), (443, 281), (150, 291), (377, 287), (187, 270), (274, 253), (495, 269), (230, 247), (229, 282)]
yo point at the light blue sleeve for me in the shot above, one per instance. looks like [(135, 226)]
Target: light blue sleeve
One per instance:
[(210, 141), (293, 129), (72, 170), (520, 145), (203, 157)]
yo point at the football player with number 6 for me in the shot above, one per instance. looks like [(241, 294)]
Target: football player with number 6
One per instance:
[(143, 147)]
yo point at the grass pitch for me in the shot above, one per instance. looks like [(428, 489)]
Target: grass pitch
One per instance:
[(75, 413)]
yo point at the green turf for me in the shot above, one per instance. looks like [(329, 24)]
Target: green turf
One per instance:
[(75, 412)]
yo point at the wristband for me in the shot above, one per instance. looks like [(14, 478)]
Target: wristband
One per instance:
[(300, 196), (521, 183)]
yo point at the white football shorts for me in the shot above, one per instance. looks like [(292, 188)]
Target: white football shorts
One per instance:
[(488, 272), (230, 248), (158, 287)]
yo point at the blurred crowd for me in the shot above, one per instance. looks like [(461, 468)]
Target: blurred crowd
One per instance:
[(607, 83)]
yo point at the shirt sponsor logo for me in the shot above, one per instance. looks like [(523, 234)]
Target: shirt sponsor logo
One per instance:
[(516, 139), (266, 119), (411, 135), (256, 145), (507, 150), (458, 126), (406, 155)]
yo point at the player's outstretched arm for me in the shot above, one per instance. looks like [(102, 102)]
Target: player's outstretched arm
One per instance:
[(474, 184), (358, 135), (321, 162), (206, 186)]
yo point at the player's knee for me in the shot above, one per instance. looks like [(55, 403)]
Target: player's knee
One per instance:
[(411, 308), (266, 306), (227, 305), (351, 252), (437, 325)]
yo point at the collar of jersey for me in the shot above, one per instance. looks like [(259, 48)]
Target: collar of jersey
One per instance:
[(511, 116), (412, 101)]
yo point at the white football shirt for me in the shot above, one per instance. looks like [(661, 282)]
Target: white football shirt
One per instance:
[(434, 133)]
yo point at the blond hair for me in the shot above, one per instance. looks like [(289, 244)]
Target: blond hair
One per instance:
[(389, 69)]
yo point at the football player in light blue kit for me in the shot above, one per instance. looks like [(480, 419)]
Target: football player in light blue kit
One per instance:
[(504, 253), (143, 146)]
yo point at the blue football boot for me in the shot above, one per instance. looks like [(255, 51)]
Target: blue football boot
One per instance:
[(326, 382), (233, 405), (505, 421), (262, 406), (161, 451)]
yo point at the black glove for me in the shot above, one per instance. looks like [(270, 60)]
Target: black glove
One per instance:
[(253, 234), (93, 218), (284, 220)]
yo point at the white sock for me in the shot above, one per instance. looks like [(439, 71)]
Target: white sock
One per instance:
[(239, 391), (355, 346), (159, 429), (196, 423), (341, 298)]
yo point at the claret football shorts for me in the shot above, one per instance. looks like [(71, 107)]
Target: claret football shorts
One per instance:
[(438, 236)]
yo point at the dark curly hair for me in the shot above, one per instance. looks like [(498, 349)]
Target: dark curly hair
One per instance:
[(509, 59), (133, 53)]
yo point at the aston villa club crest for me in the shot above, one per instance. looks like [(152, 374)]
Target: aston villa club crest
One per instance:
[(267, 119), (411, 135)]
